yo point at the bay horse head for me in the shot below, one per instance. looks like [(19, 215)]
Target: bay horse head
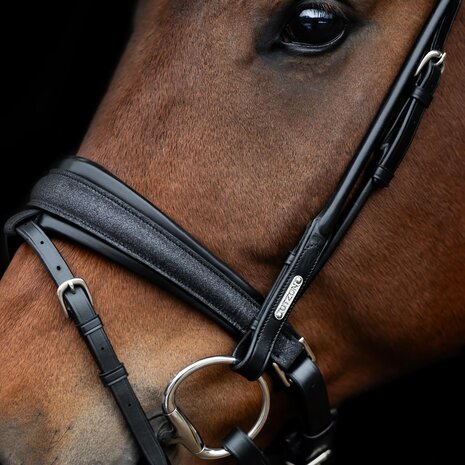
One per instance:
[(237, 122)]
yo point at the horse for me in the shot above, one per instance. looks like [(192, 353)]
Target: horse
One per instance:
[(241, 142)]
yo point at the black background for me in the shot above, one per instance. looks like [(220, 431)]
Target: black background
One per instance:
[(57, 60)]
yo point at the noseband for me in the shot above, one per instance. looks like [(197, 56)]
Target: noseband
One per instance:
[(81, 201)]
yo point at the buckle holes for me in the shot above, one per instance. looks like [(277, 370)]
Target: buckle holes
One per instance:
[(42, 242), (102, 348), (58, 267), (129, 405)]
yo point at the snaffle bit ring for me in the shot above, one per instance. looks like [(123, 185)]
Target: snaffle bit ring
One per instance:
[(186, 433)]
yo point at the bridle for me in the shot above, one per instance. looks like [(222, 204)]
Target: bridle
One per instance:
[(81, 201)]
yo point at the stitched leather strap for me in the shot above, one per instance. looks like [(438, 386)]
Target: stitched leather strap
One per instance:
[(113, 374), (127, 229), (265, 338), (387, 143), (118, 371)]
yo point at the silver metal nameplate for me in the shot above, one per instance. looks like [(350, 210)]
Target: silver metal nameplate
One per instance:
[(289, 296)]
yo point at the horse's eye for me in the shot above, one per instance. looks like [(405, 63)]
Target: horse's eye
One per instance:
[(315, 28)]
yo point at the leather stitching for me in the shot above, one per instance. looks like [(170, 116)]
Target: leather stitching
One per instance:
[(65, 214), (58, 210), (278, 298), (154, 227)]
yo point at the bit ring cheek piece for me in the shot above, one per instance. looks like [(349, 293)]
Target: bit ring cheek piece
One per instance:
[(186, 433)]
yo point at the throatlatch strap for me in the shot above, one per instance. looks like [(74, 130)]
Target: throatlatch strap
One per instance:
[(79, 307)]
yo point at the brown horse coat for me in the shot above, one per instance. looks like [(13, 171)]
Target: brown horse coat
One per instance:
[(241, 147)]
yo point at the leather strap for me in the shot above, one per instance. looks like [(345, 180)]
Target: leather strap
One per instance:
[(313, 437), (121, 221), (306, 379), (83, 202), (113, 374), (387, 143), (309, 436), (243, 449), (309, 388), (117, 371), (254, 350)]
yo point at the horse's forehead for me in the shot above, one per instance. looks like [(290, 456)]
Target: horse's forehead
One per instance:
[(228, 31), (195, 64), (234, 27), (240, 24), (189, 8)]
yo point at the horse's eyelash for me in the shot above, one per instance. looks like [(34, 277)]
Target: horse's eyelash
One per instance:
[(337, 7)]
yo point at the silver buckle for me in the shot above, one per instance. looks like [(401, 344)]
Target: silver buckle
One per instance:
[(279, 371), (430, 56), (186, 434), (71, 285)]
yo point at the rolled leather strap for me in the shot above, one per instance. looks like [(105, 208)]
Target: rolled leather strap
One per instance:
[(384, 146), (243, 449), (114, 375)]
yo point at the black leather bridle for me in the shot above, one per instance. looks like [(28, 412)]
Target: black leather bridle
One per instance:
[(81, 201)]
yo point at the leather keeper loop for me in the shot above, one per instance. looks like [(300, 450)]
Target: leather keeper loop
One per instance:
[(423, 96), (382, 176), (90, 326), (114, 376)]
